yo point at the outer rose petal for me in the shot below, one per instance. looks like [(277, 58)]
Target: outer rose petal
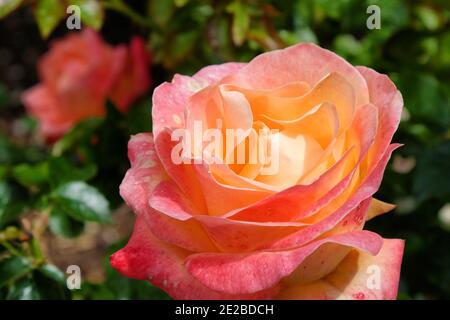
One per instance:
[(385, 96), (139, 183), (171, 99), (352, 278), (249, 273), (215, 73), (144, 175), (147, 258), (303, 62), (173, 220)]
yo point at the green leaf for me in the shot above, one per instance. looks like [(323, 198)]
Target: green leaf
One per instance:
[(11, 202), (52, 272), (81, 132), (241, 21), (50, 283), (92, 13), (8, 6), (9, 153), (3, 95), (183, 43), (432, 176), (425, 97), (62, 171), (428, 17), (139, 118), (24, 289), (82, 202), (161, 11), (31, 175), (48, 15), (181, 3), (64, 225), (13, 268)]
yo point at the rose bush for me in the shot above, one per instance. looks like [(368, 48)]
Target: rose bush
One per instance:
[(78, 74), (216, 230)]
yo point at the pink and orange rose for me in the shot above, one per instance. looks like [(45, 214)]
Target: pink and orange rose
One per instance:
[(220, 230), (78, 74)]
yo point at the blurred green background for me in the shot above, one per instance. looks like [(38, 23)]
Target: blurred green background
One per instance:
[(36, 231)]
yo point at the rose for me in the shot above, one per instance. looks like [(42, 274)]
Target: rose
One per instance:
[(220, 230), (78, 74)]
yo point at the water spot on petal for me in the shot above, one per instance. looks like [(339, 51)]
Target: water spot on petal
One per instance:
[(358, 296)]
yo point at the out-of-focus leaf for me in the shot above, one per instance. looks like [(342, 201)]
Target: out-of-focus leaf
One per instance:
[(394, 14), (8, 6), (241, 21), (61, 223), (48, 15), (62, 171), (183, 43), (333, 9), (161, 11), (444, 50), (428, 18), (92, 13), (432, 176), (3, 95), (31, 175), (300, 35), (24, 289), (425, 98), (347, 46), (81, 132), (52, 272), (82, 201), (9, 153), (181, 3), (11, 202), (50, 283), (139, 118), (13, 268)]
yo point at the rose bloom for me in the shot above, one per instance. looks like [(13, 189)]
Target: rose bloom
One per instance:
[(219, 230), (78, 74)]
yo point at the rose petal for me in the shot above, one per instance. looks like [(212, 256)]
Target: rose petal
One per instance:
[(147, 258), (303, 62), (385, 96), (355, 278), (175, 221), (144, 175), (249, 273), (304, 200), (170, 99), (377, 208), (369, 186)]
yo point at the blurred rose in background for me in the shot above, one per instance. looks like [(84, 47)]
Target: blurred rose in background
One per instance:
[(78, 75)]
